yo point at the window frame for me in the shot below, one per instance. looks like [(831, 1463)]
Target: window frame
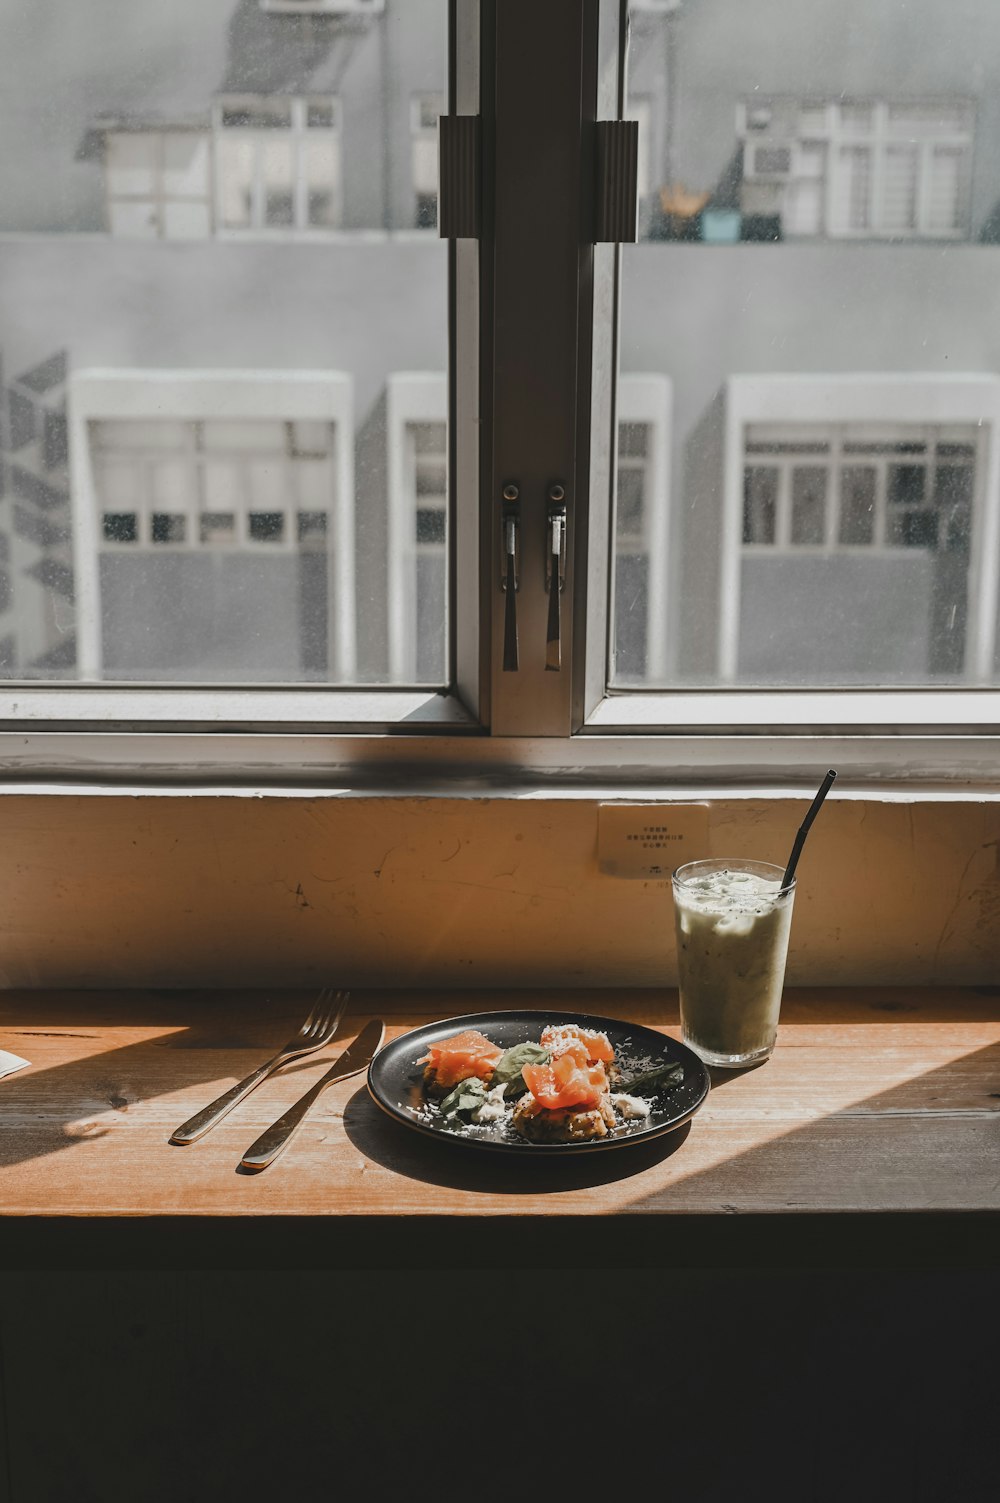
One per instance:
[(571, 728)]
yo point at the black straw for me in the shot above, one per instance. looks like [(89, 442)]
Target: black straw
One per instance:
[(800, 838)]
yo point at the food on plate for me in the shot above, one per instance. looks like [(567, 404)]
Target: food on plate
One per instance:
[(566, 1088), (560, 1038), (467, 1054), (567, 1081), (567, 1125), (510, 1066)]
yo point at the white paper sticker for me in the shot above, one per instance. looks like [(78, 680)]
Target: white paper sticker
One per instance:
[(650, 840), (11, 1062)]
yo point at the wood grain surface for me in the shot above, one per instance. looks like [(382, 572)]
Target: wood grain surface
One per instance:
[(874, 1101)]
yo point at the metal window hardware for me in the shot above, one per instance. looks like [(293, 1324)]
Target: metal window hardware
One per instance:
[(555, 573), (510, 521), (616, 200), (459, 177)]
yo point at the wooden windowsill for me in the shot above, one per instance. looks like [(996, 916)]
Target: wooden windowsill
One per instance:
[(878, 1107)]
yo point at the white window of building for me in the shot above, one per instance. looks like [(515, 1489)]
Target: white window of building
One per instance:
[(214, 483), (861, 485), (861, 169), (859, 502), (324, 7), (639, 616), (233, 465), (424, 112), (158, 184), (417, 475), (278, 164), (640, 109)]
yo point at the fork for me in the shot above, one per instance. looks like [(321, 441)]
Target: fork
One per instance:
[(317, 1030)]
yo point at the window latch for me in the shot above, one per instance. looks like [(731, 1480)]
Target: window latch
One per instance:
[(510, 521), (555, 573)]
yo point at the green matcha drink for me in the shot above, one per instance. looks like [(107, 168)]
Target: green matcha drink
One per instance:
[(733, 919)]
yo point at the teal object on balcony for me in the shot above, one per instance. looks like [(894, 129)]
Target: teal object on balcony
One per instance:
[(721, 226)]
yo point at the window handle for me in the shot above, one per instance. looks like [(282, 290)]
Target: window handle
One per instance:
[(510, 518), (555, 574)]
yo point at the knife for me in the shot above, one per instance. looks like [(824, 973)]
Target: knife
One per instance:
[(353, 1060)]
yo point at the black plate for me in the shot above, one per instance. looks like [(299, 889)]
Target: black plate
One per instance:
[(395, 1078)]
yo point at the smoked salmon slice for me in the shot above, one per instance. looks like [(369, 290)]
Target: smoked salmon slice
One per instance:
[(568, 1081), (465, 1054), (560, 1038)]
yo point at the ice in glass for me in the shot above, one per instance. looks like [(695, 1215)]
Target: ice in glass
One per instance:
[(733, 919)]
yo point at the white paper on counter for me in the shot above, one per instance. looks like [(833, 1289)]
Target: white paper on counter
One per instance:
[(11, 1062)]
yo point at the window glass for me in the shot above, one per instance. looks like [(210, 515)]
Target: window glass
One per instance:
[(425, 111), (214, 324), (819, 216)]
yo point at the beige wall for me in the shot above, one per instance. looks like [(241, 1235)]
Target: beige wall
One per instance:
[(182, 889)]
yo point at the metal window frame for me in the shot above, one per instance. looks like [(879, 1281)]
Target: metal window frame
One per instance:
[(533, 340)]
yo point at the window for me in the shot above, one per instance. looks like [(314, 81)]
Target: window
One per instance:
[(425, 110), (641, 586), (418, 528), (213, 483), (790, 492), (860, 486), (325, 7), (869, 530), (158, 184), (857, 169), (278, 163), (641, 110), (275, 167), (215, 541), (828, 533), (869, 491)]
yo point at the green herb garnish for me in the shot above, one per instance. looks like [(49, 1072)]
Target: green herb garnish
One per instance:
[(671, 1073), (512, 1062), (466, 1097)]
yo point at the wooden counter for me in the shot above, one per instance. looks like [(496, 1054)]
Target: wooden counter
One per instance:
[(879, 1110)]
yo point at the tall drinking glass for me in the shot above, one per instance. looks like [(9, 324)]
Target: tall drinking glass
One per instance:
[(733, 918)]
